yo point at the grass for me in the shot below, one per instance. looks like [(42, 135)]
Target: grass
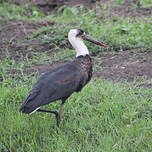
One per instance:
[(11, 11), (105, 116)]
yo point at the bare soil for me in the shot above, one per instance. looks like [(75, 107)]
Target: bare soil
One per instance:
[(129, 9), (14, 31), (129, 65)]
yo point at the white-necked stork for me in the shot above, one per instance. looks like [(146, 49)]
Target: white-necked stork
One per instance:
[(59, 83)]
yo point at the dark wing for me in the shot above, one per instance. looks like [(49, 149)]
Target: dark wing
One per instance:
[(53, 85)]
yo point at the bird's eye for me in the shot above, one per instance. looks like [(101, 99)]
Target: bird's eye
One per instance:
[(80, 33)]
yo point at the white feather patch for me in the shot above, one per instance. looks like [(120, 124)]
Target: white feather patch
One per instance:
[(35, 110)]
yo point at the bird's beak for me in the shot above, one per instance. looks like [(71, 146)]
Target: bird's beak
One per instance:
[(85, 37)]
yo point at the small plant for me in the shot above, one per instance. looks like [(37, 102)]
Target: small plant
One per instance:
[(120, 1)]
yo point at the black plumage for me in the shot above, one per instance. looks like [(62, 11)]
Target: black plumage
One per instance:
[(59, 83)]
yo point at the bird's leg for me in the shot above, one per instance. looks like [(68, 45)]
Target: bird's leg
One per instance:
[(48, 111), (58, 116), (61, 107)]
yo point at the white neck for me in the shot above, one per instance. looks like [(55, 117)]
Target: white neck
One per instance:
[(78, 45)]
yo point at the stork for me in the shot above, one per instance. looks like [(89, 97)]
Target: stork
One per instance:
[(59, 83)]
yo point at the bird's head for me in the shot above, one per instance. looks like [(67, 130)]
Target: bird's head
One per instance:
[(80, 34), (76, 37)]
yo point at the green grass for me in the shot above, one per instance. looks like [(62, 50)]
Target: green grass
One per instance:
[(103, 117), (146, 3), (142, 3), (23, 12)]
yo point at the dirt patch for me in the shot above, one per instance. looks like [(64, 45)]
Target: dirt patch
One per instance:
[(130, 8), (126, 66), (85, 3), (49, 6), (13, 31), (124, 11)]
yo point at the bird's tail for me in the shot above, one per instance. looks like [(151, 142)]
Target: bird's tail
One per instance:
[(28, 105), (28, 110)]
